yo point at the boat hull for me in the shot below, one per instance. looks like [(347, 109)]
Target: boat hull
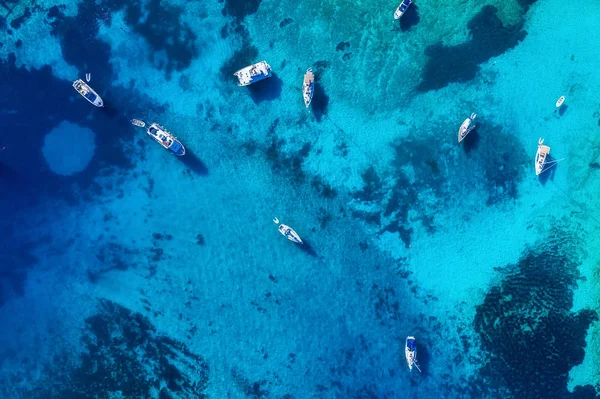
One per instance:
[(253, 73), (410, 352), (88, 93), (402, 9), (308, 87), (165, 139), (290, 234)]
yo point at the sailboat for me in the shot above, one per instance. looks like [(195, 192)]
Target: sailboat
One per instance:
[(466, 127), (540, 156), (288, 232), (308, 86), (410, 351)]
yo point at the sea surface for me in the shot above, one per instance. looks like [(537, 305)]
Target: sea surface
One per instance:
[(127, 272)]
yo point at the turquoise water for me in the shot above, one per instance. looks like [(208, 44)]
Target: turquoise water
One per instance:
[(127, 272)]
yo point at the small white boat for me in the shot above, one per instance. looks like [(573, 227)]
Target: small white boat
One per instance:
[(402, 8), (288, 232), (165, 139), (560, 101), (88, 77), (308, 86), (410, 351), (138, 122), (253, 73), (540, 156), (88, 93), (466, 127)]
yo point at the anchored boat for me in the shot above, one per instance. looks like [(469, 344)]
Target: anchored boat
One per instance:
[(402, 8), (288, 232), (308, 86), (466, 127), (540, 156), (162, 137), (253, 73), (410, 351), (88, 93)]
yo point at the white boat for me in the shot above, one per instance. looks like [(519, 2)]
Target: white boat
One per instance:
[(402, 8), (165, 139), (138, 122), (288, 232), (410, 351), (253, 73), (308, 86), (88, 93), (466, 127), (560, 101), (540, 156)]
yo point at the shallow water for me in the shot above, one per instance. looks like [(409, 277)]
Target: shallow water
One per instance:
[(134, 273)]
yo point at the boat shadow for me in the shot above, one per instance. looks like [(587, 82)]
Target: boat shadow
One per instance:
[(549, 173), (471, 142), (424, 358), (307, 248), (562, 110), (319, 102), (194, 163), (266, 90), (410, 18)]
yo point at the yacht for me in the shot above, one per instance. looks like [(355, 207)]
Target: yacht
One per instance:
[(164, 138), (410, 351), (402, 8), (466, 127), (288, 232), (88, 93), (253, 73), (540, 156), (308, 87)]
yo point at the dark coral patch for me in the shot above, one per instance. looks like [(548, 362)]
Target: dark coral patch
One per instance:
[(291, 165), (529, 335), (489, 38), (17, 22), (285, 22), (240, 9), (160, 24), (124, 356)]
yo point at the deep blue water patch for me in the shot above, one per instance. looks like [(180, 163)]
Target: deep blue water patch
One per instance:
[(489, 38), (123, 355), (529, 336), (16, 259)]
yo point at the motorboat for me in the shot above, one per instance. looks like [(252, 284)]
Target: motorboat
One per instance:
[(138, 122), (560, 101), (410, 351), (466, 127), (288, 232), (253, 73), (165, 139), (308, 87), (402, 8), (88, 93)]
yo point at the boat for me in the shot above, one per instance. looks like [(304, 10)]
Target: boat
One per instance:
[(402, 8), (410, 351), (138, 122), (560, 101), (88, 93), (253, 73), (166, 139), (466, 127), (288, 232), (540, 156), (308, 86)]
